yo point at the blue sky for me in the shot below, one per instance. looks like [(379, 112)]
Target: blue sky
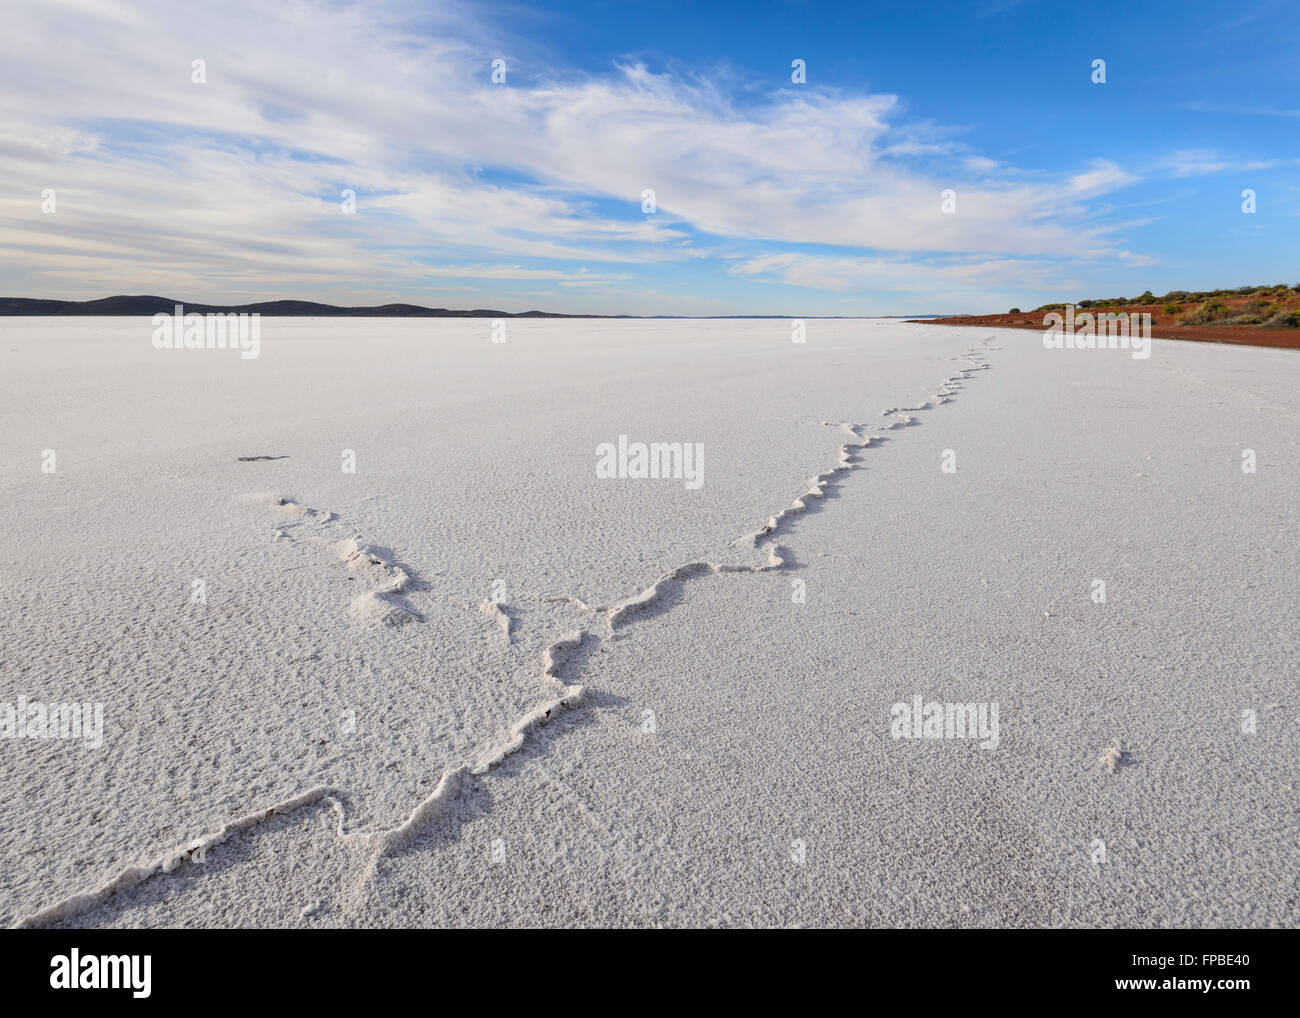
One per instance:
[(771, 196)]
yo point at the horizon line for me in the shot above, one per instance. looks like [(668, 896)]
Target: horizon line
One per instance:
[(147, 305)]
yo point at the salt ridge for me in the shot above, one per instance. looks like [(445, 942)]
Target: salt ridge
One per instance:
[(554, 658)]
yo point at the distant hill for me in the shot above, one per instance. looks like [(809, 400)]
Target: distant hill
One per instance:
[(147, 306), (150, 306)]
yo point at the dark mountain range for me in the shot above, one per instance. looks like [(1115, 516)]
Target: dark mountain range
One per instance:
[(150, 306), (147, 306)]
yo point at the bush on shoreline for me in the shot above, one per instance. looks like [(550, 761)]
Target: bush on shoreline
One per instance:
[(1283, 320), (1207, 307), (1206, 314)]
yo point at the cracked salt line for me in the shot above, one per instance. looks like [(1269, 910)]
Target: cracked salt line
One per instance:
[(554, 658)]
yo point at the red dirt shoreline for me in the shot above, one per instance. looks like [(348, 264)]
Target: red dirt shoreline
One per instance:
[(1233, 335)]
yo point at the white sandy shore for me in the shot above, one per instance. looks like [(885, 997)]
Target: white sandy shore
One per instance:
[(728, 758)]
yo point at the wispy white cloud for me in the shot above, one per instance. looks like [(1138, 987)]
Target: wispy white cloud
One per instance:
[(999, 7), (1244, 111), (233, 186), (1206, 162)]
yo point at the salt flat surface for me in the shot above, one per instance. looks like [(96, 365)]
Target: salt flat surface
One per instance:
[(728, 756)]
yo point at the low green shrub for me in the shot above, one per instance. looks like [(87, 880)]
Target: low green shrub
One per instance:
[(1205, 314), (1283, 320)]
